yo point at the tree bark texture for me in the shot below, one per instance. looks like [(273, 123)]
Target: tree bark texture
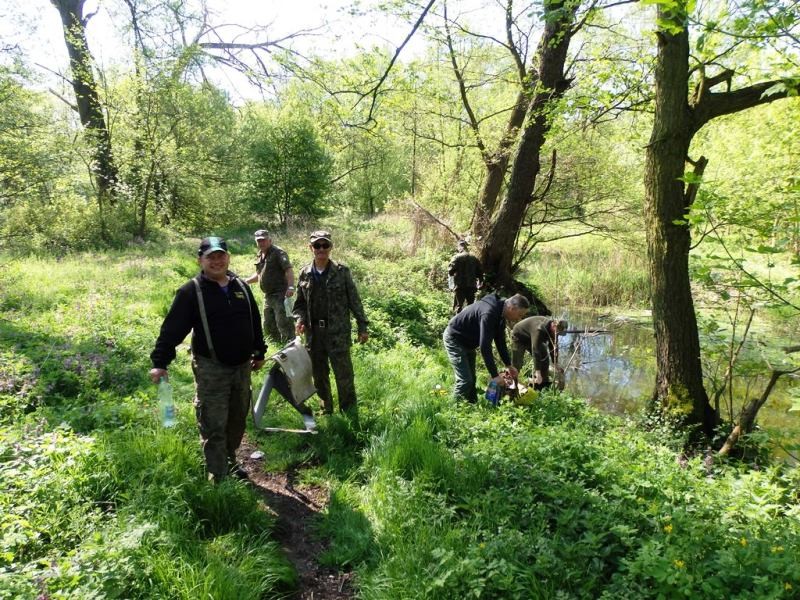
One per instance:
[(679, 379), (496, 167), (90, 110), (550, 84)]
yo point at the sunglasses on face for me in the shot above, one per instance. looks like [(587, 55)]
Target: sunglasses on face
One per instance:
[(321, 245)]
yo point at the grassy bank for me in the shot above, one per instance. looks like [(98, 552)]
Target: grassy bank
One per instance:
[(429, 499), (589, 271)]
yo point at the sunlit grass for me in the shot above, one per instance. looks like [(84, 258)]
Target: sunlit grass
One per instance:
[(429, 498)]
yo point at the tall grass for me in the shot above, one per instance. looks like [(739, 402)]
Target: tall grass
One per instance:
[(589, 271), (429, 498)]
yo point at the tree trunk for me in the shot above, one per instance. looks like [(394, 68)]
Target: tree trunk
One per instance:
[(496, 169), (88, 102), (679, 387), (497, 253)]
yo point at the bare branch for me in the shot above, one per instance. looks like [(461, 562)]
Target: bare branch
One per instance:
[(373, 92), (473, 121)]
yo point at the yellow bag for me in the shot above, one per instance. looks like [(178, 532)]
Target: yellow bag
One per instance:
[(526, 397)]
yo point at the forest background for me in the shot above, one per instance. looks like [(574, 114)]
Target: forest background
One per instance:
[(629, 154)]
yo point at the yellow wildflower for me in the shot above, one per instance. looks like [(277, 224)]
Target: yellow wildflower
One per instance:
[(679, 564), (668, 528), (777, 549), (743, 542), (787, 586)]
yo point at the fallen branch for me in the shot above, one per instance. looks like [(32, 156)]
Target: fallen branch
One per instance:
[(435, 218), (747, 417)]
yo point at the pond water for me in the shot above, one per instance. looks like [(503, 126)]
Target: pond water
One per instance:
[(614, 369)]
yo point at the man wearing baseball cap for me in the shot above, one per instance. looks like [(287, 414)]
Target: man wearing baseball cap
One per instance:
[(326, 297), (467, 274), (227, 343), (276, 278)]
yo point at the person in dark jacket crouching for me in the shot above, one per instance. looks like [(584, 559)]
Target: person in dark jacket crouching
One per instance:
[(227, 344), (477, 326)]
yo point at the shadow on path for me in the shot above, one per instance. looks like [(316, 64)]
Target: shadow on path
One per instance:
[(296, 508)]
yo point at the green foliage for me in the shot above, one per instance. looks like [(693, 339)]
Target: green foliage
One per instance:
[(287, 172), (429, 498), (96, 500)]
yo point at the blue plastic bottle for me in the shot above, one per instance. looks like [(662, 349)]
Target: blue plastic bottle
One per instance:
[(166, 407), (493, 393)]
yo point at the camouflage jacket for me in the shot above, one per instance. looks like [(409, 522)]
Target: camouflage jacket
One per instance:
[(465, 269), (343, 299)]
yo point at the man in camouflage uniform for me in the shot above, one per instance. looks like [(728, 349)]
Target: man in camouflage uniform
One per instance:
[(467, 274), (539, 336), (326, 296), (276, 278), (226, 345)]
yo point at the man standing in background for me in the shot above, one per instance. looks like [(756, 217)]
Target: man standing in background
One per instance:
[(227, 343), (326, 297), (467, 274), (276, 278)]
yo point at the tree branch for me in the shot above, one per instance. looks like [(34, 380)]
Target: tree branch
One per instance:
[(373, 92), (711, 105)]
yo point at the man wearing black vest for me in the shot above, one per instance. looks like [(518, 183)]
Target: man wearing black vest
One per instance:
[(227, 343)]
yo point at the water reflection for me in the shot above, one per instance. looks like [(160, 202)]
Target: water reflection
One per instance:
[(609, 361)]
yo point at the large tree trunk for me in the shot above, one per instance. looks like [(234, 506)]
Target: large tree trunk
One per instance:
[(679, 379), (87, 100), (496, 168), (679, 387), (497, 253)]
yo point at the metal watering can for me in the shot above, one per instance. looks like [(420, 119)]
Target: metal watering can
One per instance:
[(290, 376)]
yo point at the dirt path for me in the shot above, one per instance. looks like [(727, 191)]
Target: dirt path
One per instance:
[(295, 507)]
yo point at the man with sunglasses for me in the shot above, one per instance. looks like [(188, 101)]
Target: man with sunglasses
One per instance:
[(326, 297)]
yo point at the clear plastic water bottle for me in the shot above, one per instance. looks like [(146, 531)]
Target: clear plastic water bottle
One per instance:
[(493, 393), (288, 305), (166, 407)]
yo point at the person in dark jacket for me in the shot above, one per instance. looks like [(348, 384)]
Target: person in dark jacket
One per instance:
[(467, 275), (477, 327), (539, 336), (326, 297), (227, 344)]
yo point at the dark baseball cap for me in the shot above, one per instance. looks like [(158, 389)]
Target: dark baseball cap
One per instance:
[(262, 234), (320, 234), (211, 244)]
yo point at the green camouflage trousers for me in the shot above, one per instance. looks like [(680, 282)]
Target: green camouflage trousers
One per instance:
[(325, 350), (276, 324), (221, 402)]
